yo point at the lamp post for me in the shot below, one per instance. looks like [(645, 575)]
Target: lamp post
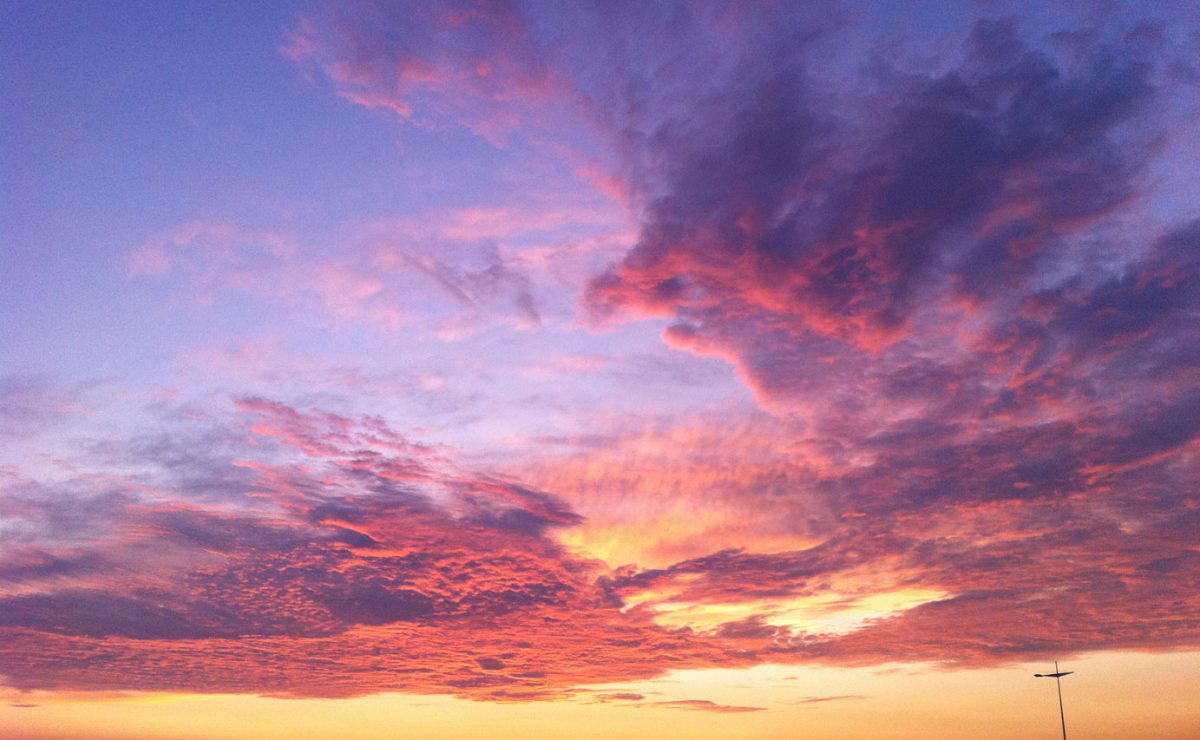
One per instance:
[(1057, 676)]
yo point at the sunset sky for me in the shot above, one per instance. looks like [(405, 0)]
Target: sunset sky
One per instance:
[(599, 369)]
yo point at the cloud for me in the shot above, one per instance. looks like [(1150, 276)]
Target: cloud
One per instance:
[(823, 699), (30, 403), (471, 287), (618, 696), (453, 269), (350, 561), (479, 64), (658, 493), (345, 559), (933, 273), (972, 344), (703, 705), (966, 187)]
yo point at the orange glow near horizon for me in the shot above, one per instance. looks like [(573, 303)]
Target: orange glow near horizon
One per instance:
[(1111, 696), (829, 613)]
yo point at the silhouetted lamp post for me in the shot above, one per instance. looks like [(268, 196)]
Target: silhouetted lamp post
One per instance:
[(1057, 676)]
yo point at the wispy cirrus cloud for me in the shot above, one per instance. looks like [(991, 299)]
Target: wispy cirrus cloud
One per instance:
[(449, 271), (823, 699), (481, 65), (30, 402), (704, 705)]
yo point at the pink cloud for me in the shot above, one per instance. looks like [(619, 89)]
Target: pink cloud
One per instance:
[(494, 75), (331, 555), (443, 271)]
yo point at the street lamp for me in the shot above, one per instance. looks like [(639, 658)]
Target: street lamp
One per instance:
[(1057, 676)]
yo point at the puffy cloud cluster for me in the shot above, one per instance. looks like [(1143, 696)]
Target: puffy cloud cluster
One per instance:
[(349, 560)]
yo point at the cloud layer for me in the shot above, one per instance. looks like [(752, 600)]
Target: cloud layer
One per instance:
[(970, 336), (347, 561), (943, 273)]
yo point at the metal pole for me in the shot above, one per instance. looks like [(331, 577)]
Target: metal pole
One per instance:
[(1061, 715)]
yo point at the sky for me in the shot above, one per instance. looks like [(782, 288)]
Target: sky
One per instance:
[(542, 370)]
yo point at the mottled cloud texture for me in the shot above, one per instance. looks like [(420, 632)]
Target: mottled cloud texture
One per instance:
[(342, 559), (973, 338)]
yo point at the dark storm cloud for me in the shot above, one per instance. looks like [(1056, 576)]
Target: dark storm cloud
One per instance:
[(969, 177)]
